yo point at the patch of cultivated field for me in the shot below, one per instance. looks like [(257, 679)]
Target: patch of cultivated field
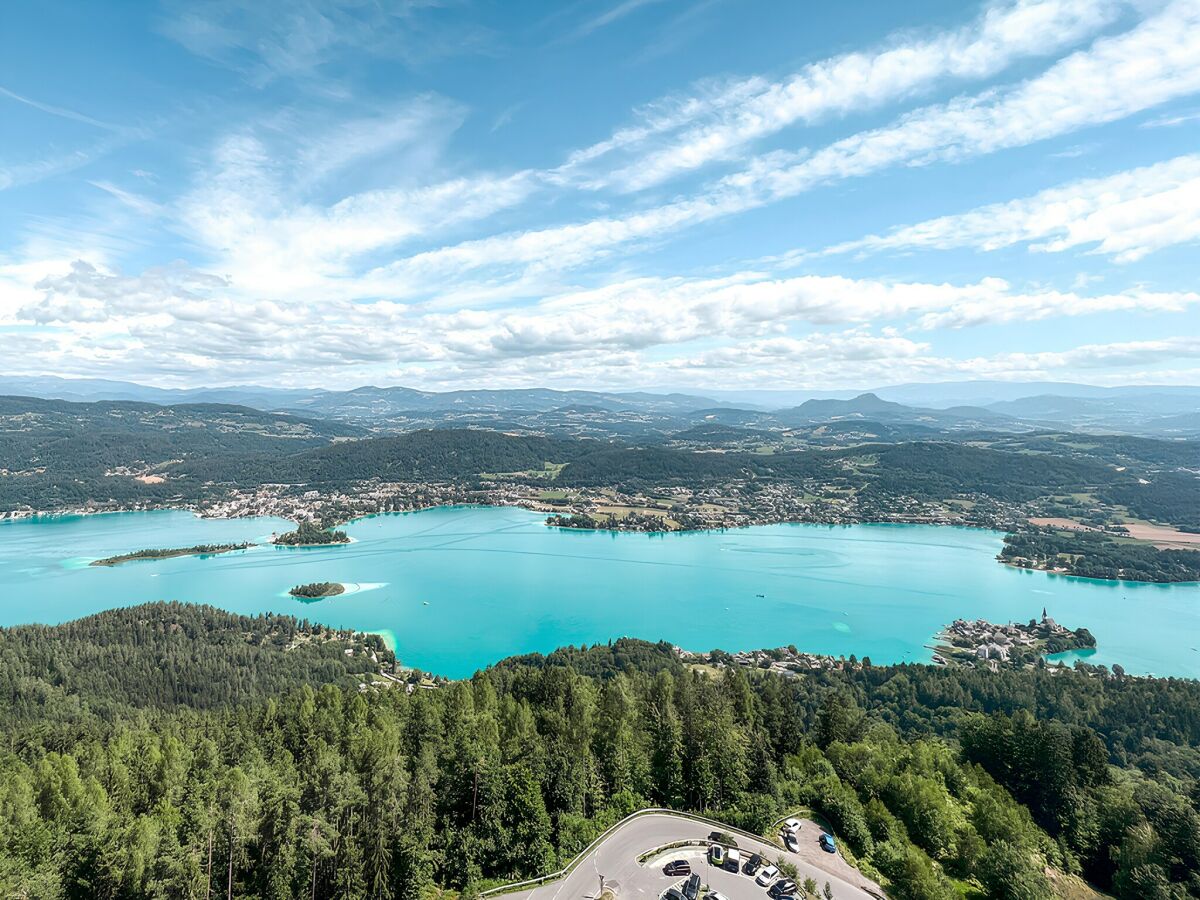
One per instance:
[(1164, 537)]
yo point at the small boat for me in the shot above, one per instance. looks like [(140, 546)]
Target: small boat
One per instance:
[(424, 602), (760, 595)]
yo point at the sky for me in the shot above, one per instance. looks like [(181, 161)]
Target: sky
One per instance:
[(721, 194)]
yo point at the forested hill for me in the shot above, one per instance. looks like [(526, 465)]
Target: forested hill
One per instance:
[(56, 453), (943, 783), (169, 655), (437, 455)]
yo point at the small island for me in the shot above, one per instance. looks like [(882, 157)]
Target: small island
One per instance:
[(309, 534), (982, 643), (198, 550), (318, 590)]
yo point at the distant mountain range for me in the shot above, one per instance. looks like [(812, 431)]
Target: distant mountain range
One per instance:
[(1161, 411)]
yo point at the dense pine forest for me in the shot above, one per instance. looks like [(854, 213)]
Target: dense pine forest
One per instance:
[(173, 751)]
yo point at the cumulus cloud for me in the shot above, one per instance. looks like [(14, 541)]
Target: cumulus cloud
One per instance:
[(732, 325), (344, 246)]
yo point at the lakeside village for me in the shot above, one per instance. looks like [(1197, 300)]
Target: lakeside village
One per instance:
[(963, 644), (732, 505)]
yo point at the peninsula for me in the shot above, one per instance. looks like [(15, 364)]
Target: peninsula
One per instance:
[(987, 644), (318, 590), (198, 550), (1097, 554)]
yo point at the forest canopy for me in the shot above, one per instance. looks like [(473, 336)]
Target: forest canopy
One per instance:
[(934, 779)]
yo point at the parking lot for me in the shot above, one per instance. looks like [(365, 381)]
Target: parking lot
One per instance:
[(616, 861), (729, 885)]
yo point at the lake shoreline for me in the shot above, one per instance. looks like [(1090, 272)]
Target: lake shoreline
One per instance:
[(172, 553), (462, 586), (531, 506)]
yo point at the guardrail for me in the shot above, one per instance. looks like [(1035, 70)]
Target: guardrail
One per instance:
[(603, 836), (569, 867)]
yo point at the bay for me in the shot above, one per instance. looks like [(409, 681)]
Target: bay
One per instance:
[(458, 588)]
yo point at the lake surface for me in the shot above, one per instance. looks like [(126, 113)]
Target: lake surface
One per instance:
[(459, 588)]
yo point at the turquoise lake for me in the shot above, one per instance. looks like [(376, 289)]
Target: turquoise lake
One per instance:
[(459, 588)]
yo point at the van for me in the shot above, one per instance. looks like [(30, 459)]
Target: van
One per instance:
[(733, 860)]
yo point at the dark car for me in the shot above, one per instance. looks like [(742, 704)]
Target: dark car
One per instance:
[(677, 867), (691, 888), (827, 844), (784, 887), (672, 894), (753, 864)]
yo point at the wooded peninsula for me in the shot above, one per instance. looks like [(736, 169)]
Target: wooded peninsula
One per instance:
[(198, 550)]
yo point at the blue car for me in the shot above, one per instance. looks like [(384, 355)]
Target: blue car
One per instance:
[(827, 844)]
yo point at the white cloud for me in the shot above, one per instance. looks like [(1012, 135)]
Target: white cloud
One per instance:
[(274, 241), (273, 39), (1117, 76), (97, 317), (1126, 216), (59, 111), (612, 14), (719, 122)]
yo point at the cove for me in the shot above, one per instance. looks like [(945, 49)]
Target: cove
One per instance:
[(458, 588)]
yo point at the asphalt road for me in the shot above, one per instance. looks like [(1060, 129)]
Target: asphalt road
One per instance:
[(616, 859)]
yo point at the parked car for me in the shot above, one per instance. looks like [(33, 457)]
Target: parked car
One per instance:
[(715, 895), (691, 888), (791, 841), (784, 887), (716, 854), (733, 859), (672, 894), (677, 867), (753, 864), (766, 876), (827, 843), (792, 825)]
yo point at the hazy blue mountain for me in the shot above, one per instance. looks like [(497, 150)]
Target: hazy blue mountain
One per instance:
[(376, 402), (49, 387), (1118, 410), (945, 406), (871, 407)]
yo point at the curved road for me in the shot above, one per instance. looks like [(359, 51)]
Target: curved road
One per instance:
[(616, 859)]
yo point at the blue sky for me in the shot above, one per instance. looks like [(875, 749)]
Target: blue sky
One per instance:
[(601, 193)]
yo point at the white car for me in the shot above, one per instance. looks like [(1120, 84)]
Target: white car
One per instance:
[(791, 825), (766, 876)]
